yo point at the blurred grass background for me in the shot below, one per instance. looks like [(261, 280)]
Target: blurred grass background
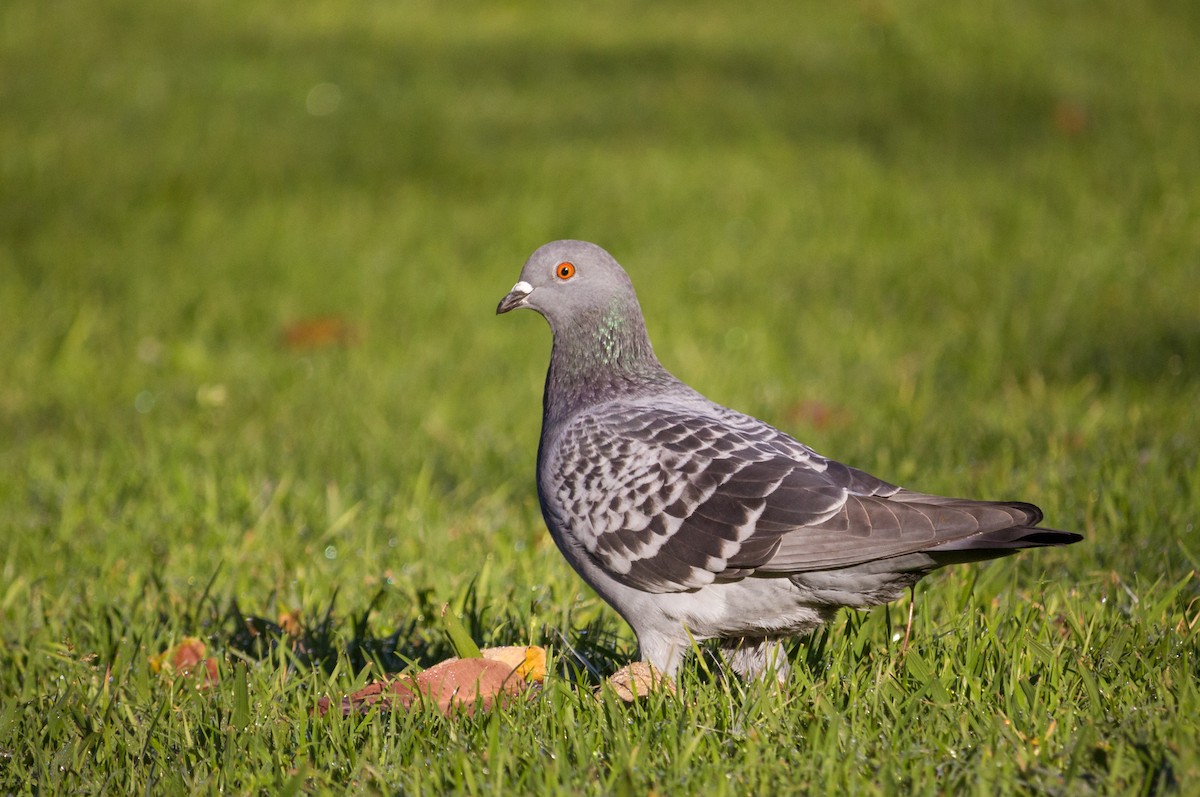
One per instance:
[(957, 246)]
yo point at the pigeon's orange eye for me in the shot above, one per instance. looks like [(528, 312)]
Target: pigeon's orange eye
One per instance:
[(565, 270)]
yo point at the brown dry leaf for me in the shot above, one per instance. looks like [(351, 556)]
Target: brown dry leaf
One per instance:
[(636, 681), (464, 683), (818, 415), (321, 332), (452, 685), (1070, 118), (291, 622), (187, 659), (384, 694), (528, 661)]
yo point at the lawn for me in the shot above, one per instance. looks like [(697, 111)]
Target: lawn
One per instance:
[(253, 391)]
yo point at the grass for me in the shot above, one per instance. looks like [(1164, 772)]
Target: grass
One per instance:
[(957, 247)]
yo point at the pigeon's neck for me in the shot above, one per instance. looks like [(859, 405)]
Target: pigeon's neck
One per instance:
[(597, 359)]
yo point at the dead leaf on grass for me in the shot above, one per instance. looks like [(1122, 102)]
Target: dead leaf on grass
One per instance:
[(453, 685), (467, 683), (321, 332), (528, 661), (187, 659), (292, 622), (1070, 118), (818, 415), (384, 694)]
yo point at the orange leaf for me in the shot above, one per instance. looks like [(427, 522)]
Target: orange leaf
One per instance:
[(528, 661), (321, 332), (188, 659), (463, 683), (453, 685), (291, 622), (384, 694), (1070, 118), (817, 415)]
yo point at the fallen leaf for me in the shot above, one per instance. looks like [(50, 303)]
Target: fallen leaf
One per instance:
[(291, 622), (321, 332), (528, 661), (384, 694), (453, 685), (187, 659), (465, 683), (817, 415), (636, 681), (1070, 118)]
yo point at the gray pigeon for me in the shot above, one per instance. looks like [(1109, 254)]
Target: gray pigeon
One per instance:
[(697, 522)]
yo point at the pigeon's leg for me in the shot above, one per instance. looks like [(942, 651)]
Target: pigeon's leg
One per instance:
[(665, 654), (756, 657), (912, 601)]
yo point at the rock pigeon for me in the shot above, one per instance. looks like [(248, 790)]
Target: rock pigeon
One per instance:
[(696, 522)]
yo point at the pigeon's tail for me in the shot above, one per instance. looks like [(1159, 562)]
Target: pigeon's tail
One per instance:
[(1004, 541), (1010, 528), (1004, 527)]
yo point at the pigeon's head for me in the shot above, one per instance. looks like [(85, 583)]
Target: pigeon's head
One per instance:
[(600, 349), (570, 282)]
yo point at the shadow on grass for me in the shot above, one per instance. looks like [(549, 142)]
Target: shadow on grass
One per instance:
[(586, 655), (1165, 352), (327, 639)]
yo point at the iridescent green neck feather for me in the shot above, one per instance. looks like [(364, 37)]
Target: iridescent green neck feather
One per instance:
[(597, 356)]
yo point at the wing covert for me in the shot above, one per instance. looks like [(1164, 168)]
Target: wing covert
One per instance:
[(670, 501)]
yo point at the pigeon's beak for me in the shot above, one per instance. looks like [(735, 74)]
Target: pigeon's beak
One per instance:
[(515, 298)]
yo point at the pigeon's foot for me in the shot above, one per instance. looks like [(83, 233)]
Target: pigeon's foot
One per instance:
[(757, 658)]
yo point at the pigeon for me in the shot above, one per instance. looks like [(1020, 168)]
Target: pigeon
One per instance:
[(697, 522)]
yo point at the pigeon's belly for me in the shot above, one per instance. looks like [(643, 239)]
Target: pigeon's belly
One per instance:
[(752, 607)]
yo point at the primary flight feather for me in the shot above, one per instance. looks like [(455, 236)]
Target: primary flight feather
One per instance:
[(695, 521)]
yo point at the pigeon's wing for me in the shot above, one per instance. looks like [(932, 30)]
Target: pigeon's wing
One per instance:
[(670, 500), (870, 527)]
